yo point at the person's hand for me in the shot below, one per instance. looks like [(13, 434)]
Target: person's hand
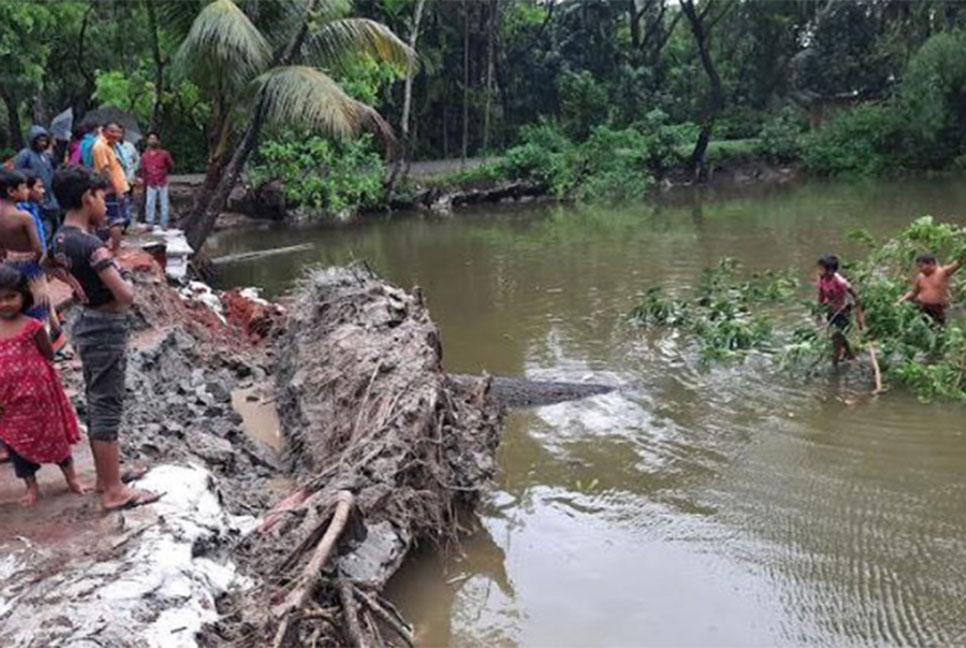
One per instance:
[(78, 291)]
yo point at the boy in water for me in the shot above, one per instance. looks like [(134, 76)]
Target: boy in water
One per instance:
[(839, 298), (930, 290)]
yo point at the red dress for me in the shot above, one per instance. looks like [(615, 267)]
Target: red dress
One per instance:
[(36, 419)]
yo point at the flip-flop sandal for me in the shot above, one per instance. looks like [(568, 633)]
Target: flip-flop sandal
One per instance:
[(139, 499), (133, 474)]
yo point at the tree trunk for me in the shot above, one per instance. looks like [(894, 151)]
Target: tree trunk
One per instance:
[(200, 226), (405, 144), (715, 102), (466, 83), (635, 23), (41, 115), (492, 26), (14, 129), (202, 220), (158, 65)]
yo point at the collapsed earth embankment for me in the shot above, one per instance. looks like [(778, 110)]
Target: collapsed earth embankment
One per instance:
[(369, 418)]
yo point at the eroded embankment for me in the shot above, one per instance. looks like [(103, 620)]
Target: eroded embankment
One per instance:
[(370, 418), (368, 414), (71, 575)]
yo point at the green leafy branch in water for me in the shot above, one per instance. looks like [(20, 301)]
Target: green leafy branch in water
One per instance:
[(720, 317), (911, 349)]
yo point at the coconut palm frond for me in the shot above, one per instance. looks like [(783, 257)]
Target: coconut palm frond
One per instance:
[(224, 42), (337, 43), (177, 16), (306, 96), (275, 19), (333, 9)]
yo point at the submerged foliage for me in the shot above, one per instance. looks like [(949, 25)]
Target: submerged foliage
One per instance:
[(720, 316), (727, 319)]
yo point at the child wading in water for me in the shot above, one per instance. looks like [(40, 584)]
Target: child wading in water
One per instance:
[(839, 298), (37, 423), (931, 291)]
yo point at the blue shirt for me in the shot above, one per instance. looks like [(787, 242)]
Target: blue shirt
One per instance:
[(86, 147), (33, 209)]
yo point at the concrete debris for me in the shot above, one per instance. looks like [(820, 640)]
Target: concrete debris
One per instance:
[(154, 586)]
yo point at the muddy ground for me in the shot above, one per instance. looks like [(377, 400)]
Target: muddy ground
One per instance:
[(353, 368)]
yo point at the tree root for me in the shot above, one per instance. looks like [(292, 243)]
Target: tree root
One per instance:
[(310, 575), (393, 621), (351, 613)]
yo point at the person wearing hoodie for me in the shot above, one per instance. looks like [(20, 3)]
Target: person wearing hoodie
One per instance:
[(36, 159)]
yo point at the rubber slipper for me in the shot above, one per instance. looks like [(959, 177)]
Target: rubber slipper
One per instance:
[(133, 474), (139, 499)]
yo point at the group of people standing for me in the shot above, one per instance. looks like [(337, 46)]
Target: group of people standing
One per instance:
[(66, 223)]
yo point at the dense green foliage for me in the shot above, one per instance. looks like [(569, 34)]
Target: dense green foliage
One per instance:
[(317, 172), (610, 164), (727, 317), (880, 83), (921, 126)]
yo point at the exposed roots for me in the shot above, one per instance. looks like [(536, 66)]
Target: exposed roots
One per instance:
[(367, 410)]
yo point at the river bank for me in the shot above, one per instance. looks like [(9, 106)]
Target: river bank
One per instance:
[(441, 186), (724, 507), (263, 424)]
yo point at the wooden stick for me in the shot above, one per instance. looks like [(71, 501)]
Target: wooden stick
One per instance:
[(875, 368), (310, 574)]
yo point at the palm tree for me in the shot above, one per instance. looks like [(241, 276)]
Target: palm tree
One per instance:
[(275, 75)]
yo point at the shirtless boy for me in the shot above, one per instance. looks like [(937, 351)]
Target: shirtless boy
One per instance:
[(930, 291), (18, 236)]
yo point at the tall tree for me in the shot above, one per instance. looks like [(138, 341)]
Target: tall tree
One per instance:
[(702, 22), (225, 43), (405, 150)]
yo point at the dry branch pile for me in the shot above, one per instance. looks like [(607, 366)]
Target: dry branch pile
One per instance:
[(387, 454)]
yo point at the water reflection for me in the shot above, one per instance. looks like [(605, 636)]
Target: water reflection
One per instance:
[(738, 506)]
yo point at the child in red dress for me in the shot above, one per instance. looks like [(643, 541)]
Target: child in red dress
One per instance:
[(37, 422)]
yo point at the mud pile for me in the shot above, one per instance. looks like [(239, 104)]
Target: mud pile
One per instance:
[(368, 416)]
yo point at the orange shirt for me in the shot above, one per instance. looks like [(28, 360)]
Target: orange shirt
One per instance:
[(105, 161)]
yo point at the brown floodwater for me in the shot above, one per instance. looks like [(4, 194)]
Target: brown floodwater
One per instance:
[(737, 506)]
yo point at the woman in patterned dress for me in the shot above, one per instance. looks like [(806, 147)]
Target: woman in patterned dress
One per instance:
[(37, 422)]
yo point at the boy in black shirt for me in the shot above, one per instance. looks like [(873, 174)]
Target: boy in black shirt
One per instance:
[(100, 332)]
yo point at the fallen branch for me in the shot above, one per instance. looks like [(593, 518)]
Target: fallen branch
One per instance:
[(310, 574)]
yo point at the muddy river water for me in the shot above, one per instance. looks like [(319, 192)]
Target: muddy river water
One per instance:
[(733, 507)]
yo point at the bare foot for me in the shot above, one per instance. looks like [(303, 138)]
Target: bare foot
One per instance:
[(30, 497), (73, 483), (78, 487)]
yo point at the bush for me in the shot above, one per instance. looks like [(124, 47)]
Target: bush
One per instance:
[(933, 102), (924, 127), (583, 102), (861, 141), (318, 172), (779, 138), (616, 163), (738, 123)]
